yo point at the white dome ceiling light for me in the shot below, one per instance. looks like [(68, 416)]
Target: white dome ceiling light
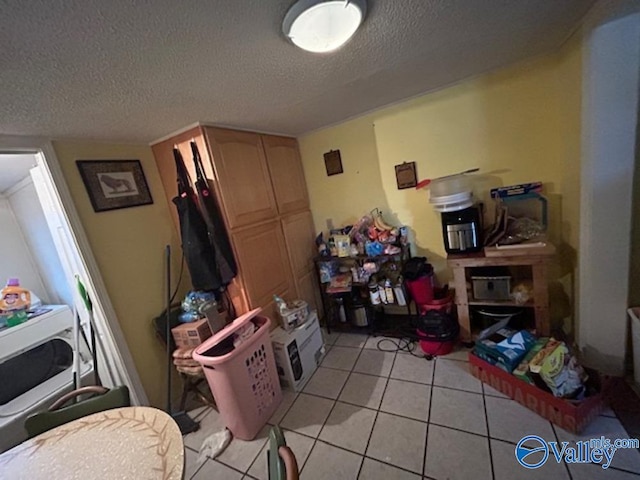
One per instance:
[(322, 26)]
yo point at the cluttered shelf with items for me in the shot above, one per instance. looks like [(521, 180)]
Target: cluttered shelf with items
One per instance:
[(360, 272), (502, 301), (499, 272)]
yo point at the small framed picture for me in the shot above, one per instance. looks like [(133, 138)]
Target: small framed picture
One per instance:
[(113, 184), (406, 175), (333, 162)]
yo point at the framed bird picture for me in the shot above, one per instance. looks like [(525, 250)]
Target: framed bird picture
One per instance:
[(113, 184)]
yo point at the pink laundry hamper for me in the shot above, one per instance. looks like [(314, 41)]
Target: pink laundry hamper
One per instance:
[(243, 380)]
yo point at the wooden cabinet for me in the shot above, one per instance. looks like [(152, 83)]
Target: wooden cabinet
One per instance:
[(259, 183), (287, 175), (265, 265), (299, 236), (163, 153), (307, 289), (243, 176)]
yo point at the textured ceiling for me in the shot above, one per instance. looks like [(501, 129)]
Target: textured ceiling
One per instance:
[(14, 168), (135, 71)]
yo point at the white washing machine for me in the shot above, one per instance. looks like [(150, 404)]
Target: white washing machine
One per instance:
[(36, 368)]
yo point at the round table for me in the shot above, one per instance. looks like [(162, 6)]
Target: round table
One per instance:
[(123, 443)]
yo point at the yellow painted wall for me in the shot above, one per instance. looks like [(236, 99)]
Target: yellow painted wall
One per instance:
[(128, 245), (345, 197), (519, 124)]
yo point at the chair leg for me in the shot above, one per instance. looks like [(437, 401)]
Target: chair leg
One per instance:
[(185, 392), (190, 385), (202, 396)]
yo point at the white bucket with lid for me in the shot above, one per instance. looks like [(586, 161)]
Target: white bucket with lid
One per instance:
[(450, 194), (452, 203)]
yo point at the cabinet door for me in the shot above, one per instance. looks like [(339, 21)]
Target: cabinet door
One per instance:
[(307, 290), (242, 175), (299, 235), (287, 175), (262, 256)]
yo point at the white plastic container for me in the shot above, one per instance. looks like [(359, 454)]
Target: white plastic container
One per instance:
[(634, 315), (451, 194), (450, 186), (451, 203)]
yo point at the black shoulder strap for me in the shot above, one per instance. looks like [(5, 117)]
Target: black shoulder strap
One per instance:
[(197, 160), (184, 182)]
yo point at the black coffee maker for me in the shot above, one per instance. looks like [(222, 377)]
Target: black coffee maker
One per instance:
[(462, 230)]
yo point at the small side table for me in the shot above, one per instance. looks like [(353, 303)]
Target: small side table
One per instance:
[(535, 258)]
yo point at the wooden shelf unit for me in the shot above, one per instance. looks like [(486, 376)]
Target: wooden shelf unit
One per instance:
[(537, 259)]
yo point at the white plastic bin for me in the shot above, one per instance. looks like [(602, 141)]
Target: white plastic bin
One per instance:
[(634, 315), (243, 380)]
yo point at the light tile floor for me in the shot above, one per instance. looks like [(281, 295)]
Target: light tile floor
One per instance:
[(367, 414)]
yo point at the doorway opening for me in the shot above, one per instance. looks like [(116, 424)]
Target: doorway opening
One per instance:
[(44, 244)]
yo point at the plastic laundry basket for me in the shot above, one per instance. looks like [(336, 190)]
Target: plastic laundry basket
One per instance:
[(243, 380)]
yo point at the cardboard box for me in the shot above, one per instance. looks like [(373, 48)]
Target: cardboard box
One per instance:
[(191, 334), (570, 415), (298, 352)]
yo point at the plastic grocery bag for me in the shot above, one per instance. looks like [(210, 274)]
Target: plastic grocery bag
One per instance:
[(214, 445)]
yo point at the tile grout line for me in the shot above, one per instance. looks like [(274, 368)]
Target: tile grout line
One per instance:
[(426, 439), (375, 419), (296, 395), (448, 427), (486, 420), (229, 466), (404, 416), (555, 434), (335, 402), (554, 427), (417, 383), (367, 457), (266, 440), (379, 409), (197, 469)]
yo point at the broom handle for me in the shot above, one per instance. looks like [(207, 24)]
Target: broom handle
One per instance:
[(168, 320)]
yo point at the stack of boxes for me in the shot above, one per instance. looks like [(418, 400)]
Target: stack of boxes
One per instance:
[(298, 352)]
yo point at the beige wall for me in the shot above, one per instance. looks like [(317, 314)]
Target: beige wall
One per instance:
[(519, 124), (128, 245)]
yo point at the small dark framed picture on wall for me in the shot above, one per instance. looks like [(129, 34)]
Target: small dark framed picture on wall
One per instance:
[(113, 184), (406, 175), (333, 162)]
